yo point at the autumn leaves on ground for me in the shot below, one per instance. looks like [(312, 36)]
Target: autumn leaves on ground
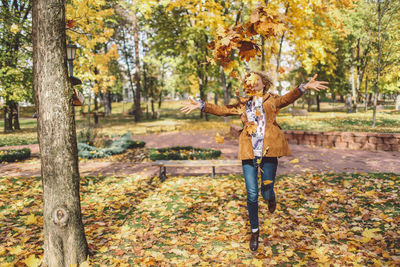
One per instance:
[(343, 219)]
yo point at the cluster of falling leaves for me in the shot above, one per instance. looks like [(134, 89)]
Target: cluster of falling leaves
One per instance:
[(263, 21), (347, 219)]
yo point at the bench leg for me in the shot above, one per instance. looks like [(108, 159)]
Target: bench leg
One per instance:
[(213, 172), (163, 173)]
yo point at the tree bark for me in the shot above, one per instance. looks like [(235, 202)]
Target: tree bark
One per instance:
[(138, 110), (107, 103), (378, 71), (64, 237), (7, 118), (96, 109), (15, 116)]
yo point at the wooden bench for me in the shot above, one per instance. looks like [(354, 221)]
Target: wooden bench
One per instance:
[(99, 114), (163, 164), (299, 112)]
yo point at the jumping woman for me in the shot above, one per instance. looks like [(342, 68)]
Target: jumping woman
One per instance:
[(261, 141)]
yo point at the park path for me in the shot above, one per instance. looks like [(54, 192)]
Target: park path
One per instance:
[(310, 159)]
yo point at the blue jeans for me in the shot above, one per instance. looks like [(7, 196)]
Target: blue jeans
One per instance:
[(250, 171)]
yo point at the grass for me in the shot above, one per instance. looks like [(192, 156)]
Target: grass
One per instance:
[(171, 119), (339, 219)]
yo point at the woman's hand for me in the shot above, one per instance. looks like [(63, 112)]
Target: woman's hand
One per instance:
[(316, 85), (190, 105)]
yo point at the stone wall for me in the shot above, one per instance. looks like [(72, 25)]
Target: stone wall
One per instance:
[(349, 140), (346, 140)]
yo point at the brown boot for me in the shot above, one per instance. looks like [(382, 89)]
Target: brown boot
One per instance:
[(254, 240), (272, 205)]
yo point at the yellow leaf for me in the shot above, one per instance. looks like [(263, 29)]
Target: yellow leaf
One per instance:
[(258, 263), (294, 161), (251, 127), (31, 219), (16, 250), (2, 250), (219, 139), (103, 249), (32, 261), (368, 234), (14, 28), (267, 182)]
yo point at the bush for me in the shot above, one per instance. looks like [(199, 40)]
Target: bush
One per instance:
[(16, 141), (117, 147), (14, 155), (87, 135), (183, 153)]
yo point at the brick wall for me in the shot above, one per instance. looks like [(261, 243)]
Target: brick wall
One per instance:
[(363, 140)]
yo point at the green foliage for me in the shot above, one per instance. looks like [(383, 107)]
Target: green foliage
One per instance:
[(15, 50), (14, 154), (16, 141), (118, 146), (183, 153), (87, 135)]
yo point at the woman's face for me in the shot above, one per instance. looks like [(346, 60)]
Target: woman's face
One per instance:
[(259, 84)]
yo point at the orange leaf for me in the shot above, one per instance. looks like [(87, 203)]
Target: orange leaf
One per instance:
[(251, 127), (71, 23), (219, 139), (267, 182)]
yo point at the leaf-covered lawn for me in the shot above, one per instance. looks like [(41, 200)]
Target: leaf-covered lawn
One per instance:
[(343, 219)]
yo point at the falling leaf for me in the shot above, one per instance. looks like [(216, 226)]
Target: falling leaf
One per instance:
[(251, 127), (32, 261), (267, 182), (281, 70), (265, 151), (219, 139), (294, 161)]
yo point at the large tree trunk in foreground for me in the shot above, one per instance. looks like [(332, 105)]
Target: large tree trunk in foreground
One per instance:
[(64, 237)]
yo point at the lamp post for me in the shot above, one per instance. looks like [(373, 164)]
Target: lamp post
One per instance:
[(71, 53)]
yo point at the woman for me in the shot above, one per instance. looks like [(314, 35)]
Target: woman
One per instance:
[(261, 140)]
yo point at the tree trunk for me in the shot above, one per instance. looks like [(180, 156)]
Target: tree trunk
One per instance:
[(107, 103), (153, 114), (96, 109), (366, 93), (7, 118), (227, 91), (138, 110), (15, 116), (378, 71), (64, 236), (353, 88), (318, 103)]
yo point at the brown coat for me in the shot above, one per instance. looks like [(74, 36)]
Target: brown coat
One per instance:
[(274, 140)]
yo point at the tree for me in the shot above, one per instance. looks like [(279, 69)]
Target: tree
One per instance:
[(15, 58), (64, 238), (388, 13)]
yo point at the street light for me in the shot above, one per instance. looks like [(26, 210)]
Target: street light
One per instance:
[(71, 53)]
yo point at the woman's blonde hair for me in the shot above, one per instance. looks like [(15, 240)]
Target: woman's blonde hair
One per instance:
[(266, 79)]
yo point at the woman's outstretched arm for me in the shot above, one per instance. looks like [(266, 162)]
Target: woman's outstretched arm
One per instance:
[(224, 110), (289, 98)]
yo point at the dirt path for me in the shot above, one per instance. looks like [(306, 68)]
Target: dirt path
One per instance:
[(311, 159)]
